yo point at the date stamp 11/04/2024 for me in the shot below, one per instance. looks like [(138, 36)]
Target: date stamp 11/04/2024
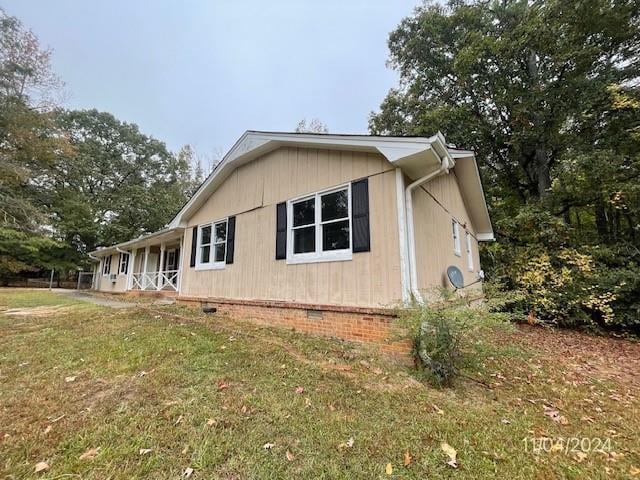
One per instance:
[(567, 445)]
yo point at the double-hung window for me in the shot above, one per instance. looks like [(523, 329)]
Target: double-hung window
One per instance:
[(456, 237), (320, 227), (106, 265), (212, 245), (469, 252), (124, 263)]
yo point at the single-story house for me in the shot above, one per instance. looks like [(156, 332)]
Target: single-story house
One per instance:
[(321, 232)]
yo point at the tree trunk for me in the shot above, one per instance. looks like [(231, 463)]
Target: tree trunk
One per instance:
[(543, 172), (601, 220)]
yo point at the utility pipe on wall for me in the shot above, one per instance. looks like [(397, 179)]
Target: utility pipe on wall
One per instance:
[(411, 241)]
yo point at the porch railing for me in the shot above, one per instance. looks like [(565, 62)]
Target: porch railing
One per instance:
[(165, 280)]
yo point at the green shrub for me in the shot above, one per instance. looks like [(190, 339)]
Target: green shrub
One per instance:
[(447, 337), (542, 273), (436, 348)]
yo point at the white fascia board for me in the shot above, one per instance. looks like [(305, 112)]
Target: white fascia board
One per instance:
[(137, 242)]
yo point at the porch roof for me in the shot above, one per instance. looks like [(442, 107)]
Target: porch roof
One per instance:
[(164, 235)]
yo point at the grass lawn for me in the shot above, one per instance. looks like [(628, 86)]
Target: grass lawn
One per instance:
[(147, 392)]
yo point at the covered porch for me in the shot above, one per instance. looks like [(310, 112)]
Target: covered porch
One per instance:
[(155, 262)]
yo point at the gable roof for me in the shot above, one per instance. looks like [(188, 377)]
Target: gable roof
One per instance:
[(416, 156)]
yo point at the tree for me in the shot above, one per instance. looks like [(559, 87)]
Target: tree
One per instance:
[(29, 138), (547, 94), (315, 126), (516, 80), (117, 184)]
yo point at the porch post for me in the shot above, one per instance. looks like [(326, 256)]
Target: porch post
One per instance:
[(161, 267), (132, 262), (179, 260), (145, 279)]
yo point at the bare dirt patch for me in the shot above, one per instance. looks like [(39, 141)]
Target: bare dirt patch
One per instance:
[(38, 312)]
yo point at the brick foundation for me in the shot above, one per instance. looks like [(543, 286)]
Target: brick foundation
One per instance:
[(356, 324)]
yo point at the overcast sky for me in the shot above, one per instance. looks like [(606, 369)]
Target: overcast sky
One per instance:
[(202, 72)]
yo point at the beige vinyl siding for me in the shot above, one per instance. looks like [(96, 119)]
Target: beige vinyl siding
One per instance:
[(104, 281), (434, 234), (252, 192)]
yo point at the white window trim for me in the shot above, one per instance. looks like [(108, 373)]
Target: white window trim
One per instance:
[(470, 265), (104, 264), (211, 265), (319, 256), (122, 258), (457, 247)]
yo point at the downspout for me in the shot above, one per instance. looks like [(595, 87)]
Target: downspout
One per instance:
[(408, 198)]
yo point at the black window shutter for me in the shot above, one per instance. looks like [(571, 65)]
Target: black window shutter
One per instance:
[(231, 238), (360, 211), (126, 263), (194, 246), (119, 262), (281, 231)]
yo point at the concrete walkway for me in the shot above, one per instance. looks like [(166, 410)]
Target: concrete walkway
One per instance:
[(95, 299)]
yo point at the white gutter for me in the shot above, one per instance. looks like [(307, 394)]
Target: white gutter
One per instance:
[(411, 240)]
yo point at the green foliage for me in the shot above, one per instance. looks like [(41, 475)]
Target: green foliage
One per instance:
[(541, 272), (445, 337), (21, 251), (436, 348), (116, 184), (561, 169), (82, 178)]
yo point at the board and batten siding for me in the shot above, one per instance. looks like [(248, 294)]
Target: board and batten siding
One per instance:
[(252, 192), (434, 237), (104, 282)]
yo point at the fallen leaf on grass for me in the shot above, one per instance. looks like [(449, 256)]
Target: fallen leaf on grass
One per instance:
[(144, 451), (347, 444), (307, 402), (331, 407), (437, 409), (388, 469), (634, 471), (69, 379), (377, 371), (554, 415), (579, 456), (289, 456), (222, 386), (451, 453), (178, 420), (300, 390), (187, 472), (407, 458), (41, 467), (505, 421), (211, 422), (47, 430), (90, 454), (268, 446), (185, 449)]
